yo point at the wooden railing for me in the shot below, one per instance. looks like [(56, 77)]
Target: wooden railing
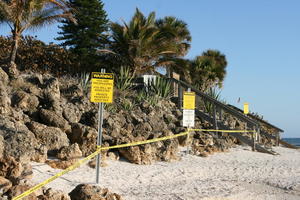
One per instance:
[(217, 108)]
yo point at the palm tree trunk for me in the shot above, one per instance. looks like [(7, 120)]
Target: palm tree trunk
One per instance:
[(13, 54)]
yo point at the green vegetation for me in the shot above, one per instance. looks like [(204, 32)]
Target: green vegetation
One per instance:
[(35, 55), (160, 87), (85, 81), (88, 35), (205, 71), (215, 94), (124, 80), (146, 43), (31, 14), (128, 49)]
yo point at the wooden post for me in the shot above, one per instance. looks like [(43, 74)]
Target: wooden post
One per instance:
[(175, 84), (180, 96), (253, 139), (258, 135), (215, 117), (220, 114), (277, 139)]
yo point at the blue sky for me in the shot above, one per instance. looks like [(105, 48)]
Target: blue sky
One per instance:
[(261, 41)]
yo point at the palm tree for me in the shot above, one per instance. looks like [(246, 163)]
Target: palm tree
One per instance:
[(179, 33), (180, 36), (144, 43), (220, 63), (208, 70), (21, 15)]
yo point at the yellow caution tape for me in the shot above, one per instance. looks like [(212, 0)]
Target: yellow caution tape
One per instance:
[(77, 164), (99, 149)]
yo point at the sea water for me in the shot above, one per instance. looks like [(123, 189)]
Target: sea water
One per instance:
[(293, 141)]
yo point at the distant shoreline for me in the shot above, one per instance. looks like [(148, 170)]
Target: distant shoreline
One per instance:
[(293, 141)]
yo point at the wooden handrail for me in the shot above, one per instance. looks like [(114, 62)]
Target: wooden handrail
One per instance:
[(226, 108), (258, 119)]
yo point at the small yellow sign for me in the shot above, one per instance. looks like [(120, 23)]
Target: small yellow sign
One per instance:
[(102, 87), (189, 100), (246, 108)]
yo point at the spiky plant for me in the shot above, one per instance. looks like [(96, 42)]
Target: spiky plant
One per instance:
[(161, 87), (124, 79), (215, 94)]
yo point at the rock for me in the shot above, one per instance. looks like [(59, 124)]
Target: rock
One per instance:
[(139, 154), (85, 137), (69, 152), (156, 122), (52, 87), (92, 163), (5, 185), (1, 146), (19, 189), (51, 118), (149, 153), (52, 94), (25, 101), (113, 156), (53, 138), (13, 72), (203, 154), (14, 171), (72, 113), (169, 118), (60, 164), (3, 76), (51, 194), (36, 79), (4, 100), (71, 90), (19, 142), (92, 192), (41, 154), (89, 118)]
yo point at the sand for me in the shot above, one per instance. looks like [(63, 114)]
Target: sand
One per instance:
[(234, 175)]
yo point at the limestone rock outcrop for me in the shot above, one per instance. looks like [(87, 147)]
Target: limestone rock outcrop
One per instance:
[(91, 192), (53, 138)]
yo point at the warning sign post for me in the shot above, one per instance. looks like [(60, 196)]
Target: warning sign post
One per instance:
[(246, 108), (188, 118), (101, 92), (102, 87), (189, 100)]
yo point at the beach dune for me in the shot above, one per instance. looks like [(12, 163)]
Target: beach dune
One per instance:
[(234, 175)]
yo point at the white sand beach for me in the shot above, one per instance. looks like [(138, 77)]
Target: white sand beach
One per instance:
[(234, 175)]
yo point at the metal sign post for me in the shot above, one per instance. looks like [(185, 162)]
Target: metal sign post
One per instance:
[(188, 113), (101, 92), (99, 141)]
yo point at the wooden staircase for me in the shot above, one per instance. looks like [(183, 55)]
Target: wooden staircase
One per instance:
[(264, 133), (219, 113)]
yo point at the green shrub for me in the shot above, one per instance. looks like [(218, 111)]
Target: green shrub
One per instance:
[(160, 87), (36, 55), (85, 81), (215, 94), (144, 95), (123, 81)]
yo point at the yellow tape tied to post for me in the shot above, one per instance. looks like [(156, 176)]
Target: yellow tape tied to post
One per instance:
[(99, 149)]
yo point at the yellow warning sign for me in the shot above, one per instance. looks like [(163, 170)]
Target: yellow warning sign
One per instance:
[(246, 108), (102, 87), (189, 100)]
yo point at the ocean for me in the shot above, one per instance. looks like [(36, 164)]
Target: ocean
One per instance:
[(294, 141)]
